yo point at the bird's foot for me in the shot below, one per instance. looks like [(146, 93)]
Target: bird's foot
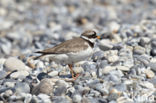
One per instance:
[(75, 77)]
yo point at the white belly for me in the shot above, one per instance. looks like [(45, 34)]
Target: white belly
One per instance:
[(70, 58), (80, 56)]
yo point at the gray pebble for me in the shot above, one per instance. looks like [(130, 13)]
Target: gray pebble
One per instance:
[(44, 98), (152, 66), (60, 90), (45, 87), (13, 63), (3, 74), (139, 50), (22, 87), (121, 87), (144, 41), (77, 98), (19, 74), (61, 99), (53, 73), (105, 45), (98, 55)]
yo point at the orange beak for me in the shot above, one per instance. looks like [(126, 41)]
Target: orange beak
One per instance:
[(98, 37)]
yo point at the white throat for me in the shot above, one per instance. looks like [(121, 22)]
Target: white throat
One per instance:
[(92, 40)]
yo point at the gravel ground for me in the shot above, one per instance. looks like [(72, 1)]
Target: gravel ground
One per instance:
[(121, 70)]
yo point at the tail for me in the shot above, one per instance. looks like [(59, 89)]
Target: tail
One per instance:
[(37, 57)]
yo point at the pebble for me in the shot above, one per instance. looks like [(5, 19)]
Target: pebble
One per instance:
[(9, 84), (139, 50), (13, 63), (3, 74), (122, 68), (124, 100), (78, 70), (77, 98), (22, 87), (114, 94), (113, 58), (107, 69), (44, 98), (105, 45), (147, 84), (45, 87), (19, 74), (2, 61), (53, 73), (144, 41), (153, 52), (97, 55), (61, 99), (42, 75), (8, 93), (152, 66), (60, 90), (149, 73)]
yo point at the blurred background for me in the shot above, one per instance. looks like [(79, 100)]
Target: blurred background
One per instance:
[(28, 25)]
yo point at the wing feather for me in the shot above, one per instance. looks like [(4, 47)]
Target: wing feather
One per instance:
[(74, 45)]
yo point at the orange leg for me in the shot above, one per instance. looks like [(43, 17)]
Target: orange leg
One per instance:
[(71, 70), (77, 75)]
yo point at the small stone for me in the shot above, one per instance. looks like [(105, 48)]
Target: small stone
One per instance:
[(45, 87), (153, 43), (12, 64), (123, 68), (114, 78), (61, 99), (42, 75), (53, 73), (93, 74), (77, 98), (99, 87), (114, 94), (153, 52), (60, 90), (10, 84), (139, 50), (149, 73), (113, 58), (152, 66), (3, 11), (8, 93), (70, 35), (22, 87), (147, 84), (98, 55), (144, 41), (103, 64), (2, 61), (107, 69), (6, 48), (3, 74), (78, 70), (19, 74), (105, 45), (121, 87), (45, 98), (114, 27), (124, 100)]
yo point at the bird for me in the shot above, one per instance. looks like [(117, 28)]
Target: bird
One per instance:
[(72, 51)]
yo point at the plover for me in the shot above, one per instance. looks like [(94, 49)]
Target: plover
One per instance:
[(71, 51)]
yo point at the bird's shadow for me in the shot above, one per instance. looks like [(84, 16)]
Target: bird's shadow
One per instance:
[(65, 76)]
